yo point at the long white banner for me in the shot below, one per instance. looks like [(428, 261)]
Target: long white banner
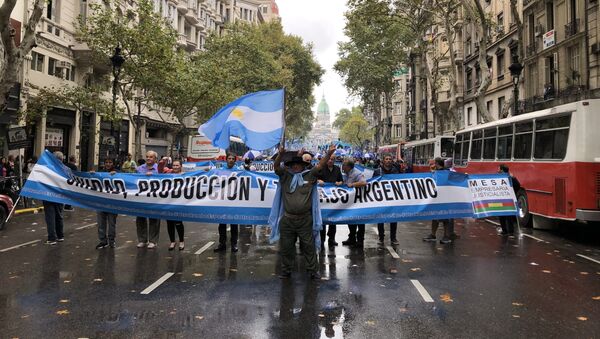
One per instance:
[(245, 197)]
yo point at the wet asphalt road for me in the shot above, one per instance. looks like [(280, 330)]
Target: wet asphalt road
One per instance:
[(482, 286)]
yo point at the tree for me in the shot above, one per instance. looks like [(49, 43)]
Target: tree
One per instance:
[(520, 52), (12, 55), (285, 61), (368, 61), (341, 118), (356, 130), (147, 42)]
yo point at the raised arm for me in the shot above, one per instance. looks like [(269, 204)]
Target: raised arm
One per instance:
[(277, 161), (323, 162)]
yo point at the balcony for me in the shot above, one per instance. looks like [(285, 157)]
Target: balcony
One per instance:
[(182, 40), (182, 6), (458, 57), (571, 28), (191, 15)]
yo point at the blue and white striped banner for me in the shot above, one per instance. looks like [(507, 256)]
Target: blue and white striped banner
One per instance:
[(244, 197)]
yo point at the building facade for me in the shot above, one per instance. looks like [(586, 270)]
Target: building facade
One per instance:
[(321, 133), (60, 60)]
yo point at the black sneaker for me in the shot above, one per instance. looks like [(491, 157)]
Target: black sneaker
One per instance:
[(60, 239), (101, 245), (332, 243), (234, 249), (315, 276), (285, 275), (445, 240), (430, 238), (50, 242), (221, 248), (112, 244), (348, 242)]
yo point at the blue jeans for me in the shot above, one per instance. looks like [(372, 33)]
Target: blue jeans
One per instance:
[(54, 220)]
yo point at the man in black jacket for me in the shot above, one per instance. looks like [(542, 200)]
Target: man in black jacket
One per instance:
[(331, 174), (508, 222), (387, 167)]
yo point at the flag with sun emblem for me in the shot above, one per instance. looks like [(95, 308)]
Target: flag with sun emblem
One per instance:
[(256, 118)]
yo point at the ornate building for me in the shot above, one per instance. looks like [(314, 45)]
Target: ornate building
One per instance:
[(321, 133)]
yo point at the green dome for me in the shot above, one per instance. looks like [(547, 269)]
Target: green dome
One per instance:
[(323, 107)]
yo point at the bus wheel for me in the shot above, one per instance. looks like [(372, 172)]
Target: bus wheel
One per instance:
[(524, 215)]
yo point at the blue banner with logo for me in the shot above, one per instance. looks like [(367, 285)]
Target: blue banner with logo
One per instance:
[(246, 197)]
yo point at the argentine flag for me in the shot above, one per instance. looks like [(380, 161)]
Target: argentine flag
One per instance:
[(256, 118)]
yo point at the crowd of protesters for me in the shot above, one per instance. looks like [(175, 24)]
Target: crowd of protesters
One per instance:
[(298, 177)]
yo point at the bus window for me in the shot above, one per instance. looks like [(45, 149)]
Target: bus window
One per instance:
[(430, 154), (446, 147), (523, 140), (489, 144), (551, 138), (505, 136), (476, 145), (461, 149)]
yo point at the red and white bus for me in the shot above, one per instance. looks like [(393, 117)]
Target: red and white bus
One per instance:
[(395, 150), (419, 154), (201, 149), (554, 153)]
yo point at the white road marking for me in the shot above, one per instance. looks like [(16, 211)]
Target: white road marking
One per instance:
[(588, 258), (393, 252), (85, 226), (532, 237), (422, 291), (205, 247), (492, 222), (157, 283), (21, 245)]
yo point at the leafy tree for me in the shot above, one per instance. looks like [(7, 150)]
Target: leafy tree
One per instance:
[(356, 130), (12, 56), (251, 58), (147, 43), (341, 118), (368, 60)]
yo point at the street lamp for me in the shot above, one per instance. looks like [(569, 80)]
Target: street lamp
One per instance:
[(117, 61), (515, 71)]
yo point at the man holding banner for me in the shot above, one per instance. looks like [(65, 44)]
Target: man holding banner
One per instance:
[(300, 202), (148, 229)]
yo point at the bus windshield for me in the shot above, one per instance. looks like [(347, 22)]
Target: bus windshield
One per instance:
[(447, 146)]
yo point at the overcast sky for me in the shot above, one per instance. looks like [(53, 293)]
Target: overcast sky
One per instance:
[(320, 22)]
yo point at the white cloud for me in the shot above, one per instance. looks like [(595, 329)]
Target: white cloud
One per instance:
[(320, 22)]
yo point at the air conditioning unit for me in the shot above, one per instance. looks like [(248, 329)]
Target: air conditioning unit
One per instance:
[(539, 30), (596, 48), (63, 64)]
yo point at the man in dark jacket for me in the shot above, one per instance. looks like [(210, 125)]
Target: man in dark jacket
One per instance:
[(107, 222), (508, 222), (387, 167), (331, 174)]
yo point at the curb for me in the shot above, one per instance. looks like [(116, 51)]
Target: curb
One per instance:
[(29, 210)]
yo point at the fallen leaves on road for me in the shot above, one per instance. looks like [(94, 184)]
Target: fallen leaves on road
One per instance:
[(534, 264), (63, 301), (197, 274), (13, 277), (582, 318), (25, 316), (596, 298), (98, 279), (393, 271), (447, 298), (583, 273), (415, 269), (67, 281), (62, 312), (546, 271), (199, 317), (403, 309), (370, 322), (88, 259), (517, 303), (516, 316), (233, 269), (321, 315), (406, 260)]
